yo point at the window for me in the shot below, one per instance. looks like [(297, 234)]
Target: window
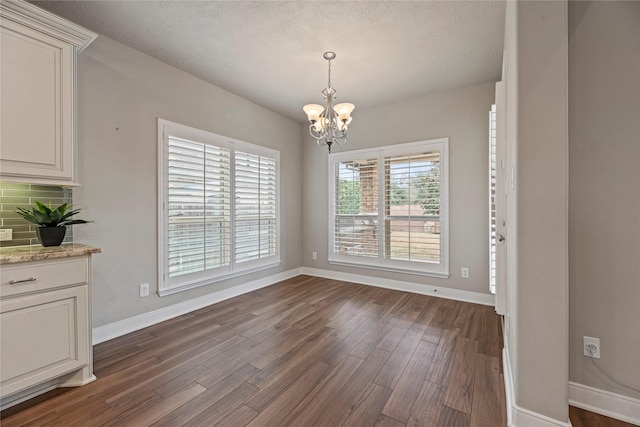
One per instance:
[(389, 208), (218, 207)]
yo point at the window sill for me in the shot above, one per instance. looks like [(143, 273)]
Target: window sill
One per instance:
[(444, 275), (211, 280)]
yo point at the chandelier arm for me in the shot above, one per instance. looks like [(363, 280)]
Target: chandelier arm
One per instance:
[(314, 133)]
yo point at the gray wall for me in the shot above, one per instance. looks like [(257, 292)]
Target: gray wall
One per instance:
[(537, 205), (604, 202), (121, 93), (463, 116)]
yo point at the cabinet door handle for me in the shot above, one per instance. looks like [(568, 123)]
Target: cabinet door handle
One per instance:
[(15, 282)]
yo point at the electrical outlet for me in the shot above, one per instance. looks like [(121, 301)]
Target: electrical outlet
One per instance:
[(314, 255), (464, 272), (591, 347), (144, 290), (6, 234)]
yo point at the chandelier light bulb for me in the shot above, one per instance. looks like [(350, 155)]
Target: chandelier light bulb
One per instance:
[(344, 111), (313, 111)]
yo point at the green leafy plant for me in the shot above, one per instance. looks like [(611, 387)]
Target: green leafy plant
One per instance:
[(46, 216)]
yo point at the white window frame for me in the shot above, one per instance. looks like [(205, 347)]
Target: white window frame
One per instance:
[(167, 285), (433, 269)]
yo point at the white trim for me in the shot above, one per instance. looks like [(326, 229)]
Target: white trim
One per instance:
[(125, 326), (385, 267), (27, 394), (604, 402), (516, 415), (398, 285), (48, 23), (211, 280), (439, 269)]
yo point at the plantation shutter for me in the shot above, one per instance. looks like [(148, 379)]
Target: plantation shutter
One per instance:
[(199, 207), (492, 199), (356, 208), (255, 207), (412, 207)]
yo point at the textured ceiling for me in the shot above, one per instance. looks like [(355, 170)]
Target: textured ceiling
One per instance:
[(271, 52)]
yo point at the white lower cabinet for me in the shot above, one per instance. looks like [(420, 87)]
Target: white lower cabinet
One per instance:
[(45, 327), (42, 337)]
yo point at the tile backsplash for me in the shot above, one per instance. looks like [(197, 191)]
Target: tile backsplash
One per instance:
[(13, 196)]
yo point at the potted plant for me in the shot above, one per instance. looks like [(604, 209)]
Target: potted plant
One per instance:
[(52, 223)]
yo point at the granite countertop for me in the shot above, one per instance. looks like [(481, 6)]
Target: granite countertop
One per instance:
[(15, 254)]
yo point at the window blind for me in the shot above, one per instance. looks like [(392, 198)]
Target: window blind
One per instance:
[(492, 199), (412, 207), (198, 211), (356, 217), (255, 213)]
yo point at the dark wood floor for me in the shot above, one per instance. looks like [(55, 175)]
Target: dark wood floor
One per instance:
[(581, 418), (304, 352)]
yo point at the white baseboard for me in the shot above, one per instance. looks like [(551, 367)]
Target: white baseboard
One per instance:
[(417, 288), (30, 393), (126, 326), (516, 415), (605, 403)]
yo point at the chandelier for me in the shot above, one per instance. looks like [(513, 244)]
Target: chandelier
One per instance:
[(329, 124)]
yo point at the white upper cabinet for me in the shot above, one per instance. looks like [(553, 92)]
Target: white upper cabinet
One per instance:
[(37, 93)]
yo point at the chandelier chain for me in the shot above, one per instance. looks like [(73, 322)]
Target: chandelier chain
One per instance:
[(329, 73)]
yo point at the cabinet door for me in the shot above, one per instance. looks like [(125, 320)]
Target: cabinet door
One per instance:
[(43, 336), (36, 115)]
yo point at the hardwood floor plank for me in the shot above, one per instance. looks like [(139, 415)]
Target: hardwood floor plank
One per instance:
[(197, 405), (439, 370), (581, 418), (223, 407), (373, 338), (385, 421), (143, 401), (348, 344), (480, 421), (398, 331), (296, 340), (163, 407), (281, 404), (394, 367), (178, 372), (486, 389), (348, 396), (489, 329), (450, 417), (332, 412), (325, 391), (427, 406), (410, 382), (368, 408), (278, 381), (241, 416), (460, 383)]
